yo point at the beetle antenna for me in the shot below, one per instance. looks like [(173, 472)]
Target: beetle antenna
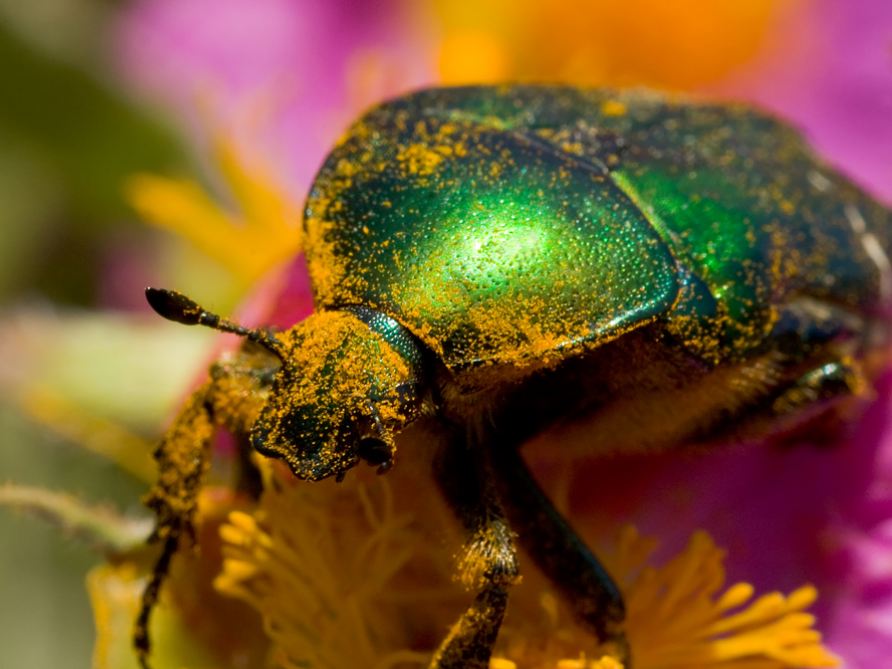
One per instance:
[(175, 306)]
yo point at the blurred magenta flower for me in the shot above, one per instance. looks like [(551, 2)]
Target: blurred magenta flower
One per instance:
[(827, 66), (286, 74)]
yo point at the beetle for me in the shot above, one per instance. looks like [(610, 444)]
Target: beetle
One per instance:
[(495, 261)]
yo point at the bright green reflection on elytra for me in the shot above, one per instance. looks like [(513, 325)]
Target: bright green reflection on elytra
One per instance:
[(486, 256), (496, 243)]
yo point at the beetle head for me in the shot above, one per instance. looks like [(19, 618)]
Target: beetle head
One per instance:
[(341, 395)]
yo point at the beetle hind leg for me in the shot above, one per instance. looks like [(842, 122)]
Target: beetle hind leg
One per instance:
[(487, 562), (815, 383), (829, 382), (822, 379), (816, 404)]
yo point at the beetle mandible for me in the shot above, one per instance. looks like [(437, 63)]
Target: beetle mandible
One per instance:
[(498, 260)]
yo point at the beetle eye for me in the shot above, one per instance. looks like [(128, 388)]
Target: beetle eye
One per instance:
[(374, 451)]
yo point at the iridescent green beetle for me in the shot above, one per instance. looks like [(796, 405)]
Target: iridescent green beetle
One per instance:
[(497, 261)]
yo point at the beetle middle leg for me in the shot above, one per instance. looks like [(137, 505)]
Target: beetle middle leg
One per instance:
[(488, 562), (560, 553)]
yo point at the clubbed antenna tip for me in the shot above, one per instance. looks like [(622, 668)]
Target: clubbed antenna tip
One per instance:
[(177, 307), (174, 306)]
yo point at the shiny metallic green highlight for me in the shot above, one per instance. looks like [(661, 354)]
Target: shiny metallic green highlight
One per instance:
[(515, 226)]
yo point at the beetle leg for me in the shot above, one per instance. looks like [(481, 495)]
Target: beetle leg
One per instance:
[(487, 563), (232, 398), (182, 461), (560, 553), (824, 391), (819, 374)]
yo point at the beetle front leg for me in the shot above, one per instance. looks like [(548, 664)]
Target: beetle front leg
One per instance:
[(232, 399), (182, 461), (487, 563)]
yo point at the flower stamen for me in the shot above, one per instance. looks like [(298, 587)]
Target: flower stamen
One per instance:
[(334, 594)]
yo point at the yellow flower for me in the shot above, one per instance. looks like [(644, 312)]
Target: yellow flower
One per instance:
[(344, 576), (196, 627), (677, 45), (261, 231), (682, 615)]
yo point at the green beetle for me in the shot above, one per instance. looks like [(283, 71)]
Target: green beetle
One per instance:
[(496, 261)]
